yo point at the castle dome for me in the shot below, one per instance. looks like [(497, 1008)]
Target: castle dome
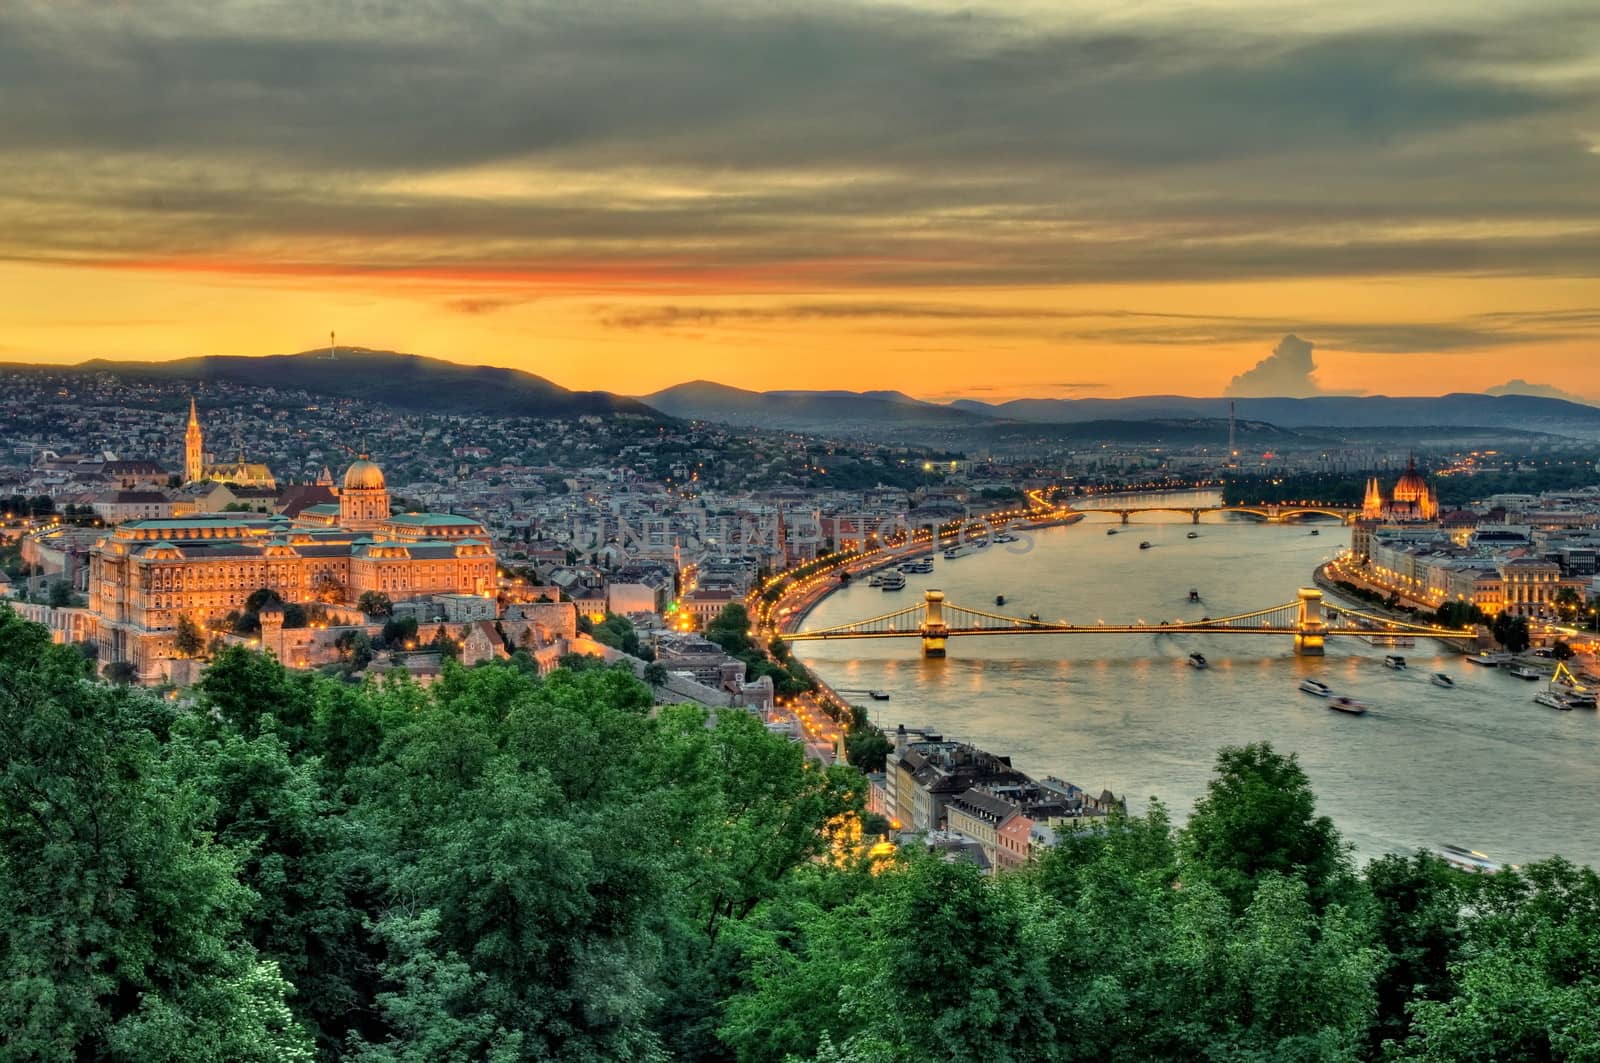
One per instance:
[(363, 475)]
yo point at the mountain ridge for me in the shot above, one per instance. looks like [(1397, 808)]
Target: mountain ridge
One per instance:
[(411, 382)]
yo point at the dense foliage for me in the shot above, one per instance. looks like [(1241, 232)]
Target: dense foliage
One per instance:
[(730, 629), (506, 867)]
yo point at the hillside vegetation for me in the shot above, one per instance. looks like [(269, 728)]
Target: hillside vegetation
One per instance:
[(509, 867)]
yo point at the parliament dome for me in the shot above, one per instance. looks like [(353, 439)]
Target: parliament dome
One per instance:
[(1412, 486), (363, 475)]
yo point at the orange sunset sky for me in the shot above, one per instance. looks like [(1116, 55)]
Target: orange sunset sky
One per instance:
[(1039, 199)]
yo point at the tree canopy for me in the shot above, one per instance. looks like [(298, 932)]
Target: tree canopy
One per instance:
[(509, 867)]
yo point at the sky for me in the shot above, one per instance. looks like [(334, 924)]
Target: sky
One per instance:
[(1057, 199)]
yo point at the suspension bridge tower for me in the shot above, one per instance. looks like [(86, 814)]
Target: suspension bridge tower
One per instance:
[(934, 629), (1310, 629)]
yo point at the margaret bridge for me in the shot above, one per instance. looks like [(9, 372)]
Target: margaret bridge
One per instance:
[(1272, 513), (1307, 620)]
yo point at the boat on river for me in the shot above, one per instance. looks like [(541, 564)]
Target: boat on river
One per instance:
[(879, 695), (1347, 705), (1522, 671), (1489, 660), (1194, 594), (1316, 687), (1553, 699), (1440, 679), (1111, 531), (999, 599), (1467, 859), (894, 581), (1145, 545), (1198, 660), (1192, 535), (1395, 661)]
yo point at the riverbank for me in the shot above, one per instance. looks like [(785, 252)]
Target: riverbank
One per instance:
[(1127, 713), (792, 609)]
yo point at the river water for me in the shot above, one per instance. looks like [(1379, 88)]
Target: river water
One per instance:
[(1481, 765)]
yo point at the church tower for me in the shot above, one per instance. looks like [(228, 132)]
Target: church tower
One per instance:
[(194, 451), (1372, 505)]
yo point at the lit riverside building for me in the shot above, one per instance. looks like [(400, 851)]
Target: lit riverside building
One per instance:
[(148, 574)]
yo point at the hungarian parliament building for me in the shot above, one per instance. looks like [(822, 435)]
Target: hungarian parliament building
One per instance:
[(147, 575)]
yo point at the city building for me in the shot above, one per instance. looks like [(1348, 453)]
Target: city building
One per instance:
[(195, 470), (147, 576)]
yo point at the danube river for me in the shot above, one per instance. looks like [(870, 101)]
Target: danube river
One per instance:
[(1480, 766)]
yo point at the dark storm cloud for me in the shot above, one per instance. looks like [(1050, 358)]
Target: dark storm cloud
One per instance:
[(891, 146)]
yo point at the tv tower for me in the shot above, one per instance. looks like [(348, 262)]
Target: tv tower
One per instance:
[(1233, 449)]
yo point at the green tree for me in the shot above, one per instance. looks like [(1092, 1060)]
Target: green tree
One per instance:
[(375, 603), (119, 917), (61, 594), (1417, 902), (1258, 817), (190, 641), (1528, 977), (655, 674), (1511, 632)]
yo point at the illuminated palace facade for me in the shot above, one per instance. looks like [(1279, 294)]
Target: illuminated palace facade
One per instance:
[(147, 575)]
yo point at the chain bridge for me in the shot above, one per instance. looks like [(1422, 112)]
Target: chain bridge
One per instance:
[(1307, 620)]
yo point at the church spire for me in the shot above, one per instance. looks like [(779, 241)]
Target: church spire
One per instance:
[(194, 450)]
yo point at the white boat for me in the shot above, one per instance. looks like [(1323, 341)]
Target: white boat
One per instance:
[(1198, 660), (875, 580), (1467, 859), (1489, 660), (1439, 679), (955, 552), (894, 581), (1522, 671), (1553, 699), (1347, 705), (1317, 687), (1395, 661), (1006, 539), (1192, 535)]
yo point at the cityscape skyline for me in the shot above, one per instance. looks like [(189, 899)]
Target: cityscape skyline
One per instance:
[(1022, 202)]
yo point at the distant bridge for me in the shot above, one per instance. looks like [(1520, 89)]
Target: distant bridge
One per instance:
[(935, 621), (1272, 513)]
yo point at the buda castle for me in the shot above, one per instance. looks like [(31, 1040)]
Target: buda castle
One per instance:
[(147, 575)]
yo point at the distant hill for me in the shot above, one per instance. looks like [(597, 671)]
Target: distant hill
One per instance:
[(403, 381), (1529, 412), (1171, 431), (703, 400)]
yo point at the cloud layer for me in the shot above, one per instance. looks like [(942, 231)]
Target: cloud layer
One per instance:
[(815, 155), (862, 143)]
